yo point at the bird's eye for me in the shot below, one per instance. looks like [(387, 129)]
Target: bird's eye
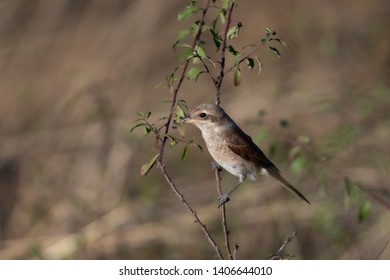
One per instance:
[(202, 115)]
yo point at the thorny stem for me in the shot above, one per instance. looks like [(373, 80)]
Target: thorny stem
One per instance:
[(223, 56), (223, 215), (179, 83), (288, 239), (160, 162), (189, 208)]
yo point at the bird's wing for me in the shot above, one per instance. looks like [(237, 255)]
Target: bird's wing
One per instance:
[(242, 145)]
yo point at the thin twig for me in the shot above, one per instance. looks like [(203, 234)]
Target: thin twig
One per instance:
[(242, 59), (288, 239), (223, 56), (189, 208), (160, 162), (179, 83), (236, 247), (223, 213)]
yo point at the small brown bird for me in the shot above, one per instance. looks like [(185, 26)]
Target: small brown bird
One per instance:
[(232, 149)]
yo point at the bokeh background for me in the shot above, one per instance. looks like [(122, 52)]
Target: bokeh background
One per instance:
[(73, 74)]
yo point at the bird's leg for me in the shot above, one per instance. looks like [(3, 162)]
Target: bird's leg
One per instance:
[(226, 197), (215, 166)]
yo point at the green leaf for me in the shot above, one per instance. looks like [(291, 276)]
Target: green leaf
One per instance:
[(282, 42), (298, 165), (147, 130), (172, 140), (194, 73), (234, 31), (160, 85), (225, 4), (364, 210), (222, 16), (182, 34), (187, 12), (179, 113), (268, 30), (232, 50), (237, 77), (184, 154), (144, 115), (276, 51), (200, 51), (186, 54), (137, 125), (147, 166), (198, 146), (250, 63), (216, 39)]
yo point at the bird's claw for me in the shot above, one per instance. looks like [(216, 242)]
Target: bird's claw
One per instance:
[(223, 199), (215, 166)]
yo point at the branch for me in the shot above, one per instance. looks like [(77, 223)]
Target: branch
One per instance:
[(288, 239), (217, 171), (242, 59), (223, 57), (189, 208), (176, 89)]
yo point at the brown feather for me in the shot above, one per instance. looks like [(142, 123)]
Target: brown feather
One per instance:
[(242, 145)]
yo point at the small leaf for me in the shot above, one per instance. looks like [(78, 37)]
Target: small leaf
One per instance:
[(298, 165), (198, 146), (232, 50), (250, 63), (237, 77), (260, 65), (182, 34), (147, 166), (234, 31), (172, 139), (147, 130), (200, 51), (179, 112), (194, 73), (185, 153), (276, 51), (268, 30), (282, 42), (225, 4), (144, 115), (216, 39), (222, 15), (187, 12), (137, 125), (160, 85), (186, 55)]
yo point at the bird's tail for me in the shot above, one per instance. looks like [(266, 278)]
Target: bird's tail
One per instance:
[(276, 174)]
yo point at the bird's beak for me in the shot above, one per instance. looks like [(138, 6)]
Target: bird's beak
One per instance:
[(187, 120)]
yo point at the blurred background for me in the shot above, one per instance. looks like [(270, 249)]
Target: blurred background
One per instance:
[(73, 74)]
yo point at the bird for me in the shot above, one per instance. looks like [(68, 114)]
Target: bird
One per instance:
[(232, 149)]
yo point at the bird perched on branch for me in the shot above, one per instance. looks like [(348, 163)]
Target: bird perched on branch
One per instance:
[(232, 149)]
